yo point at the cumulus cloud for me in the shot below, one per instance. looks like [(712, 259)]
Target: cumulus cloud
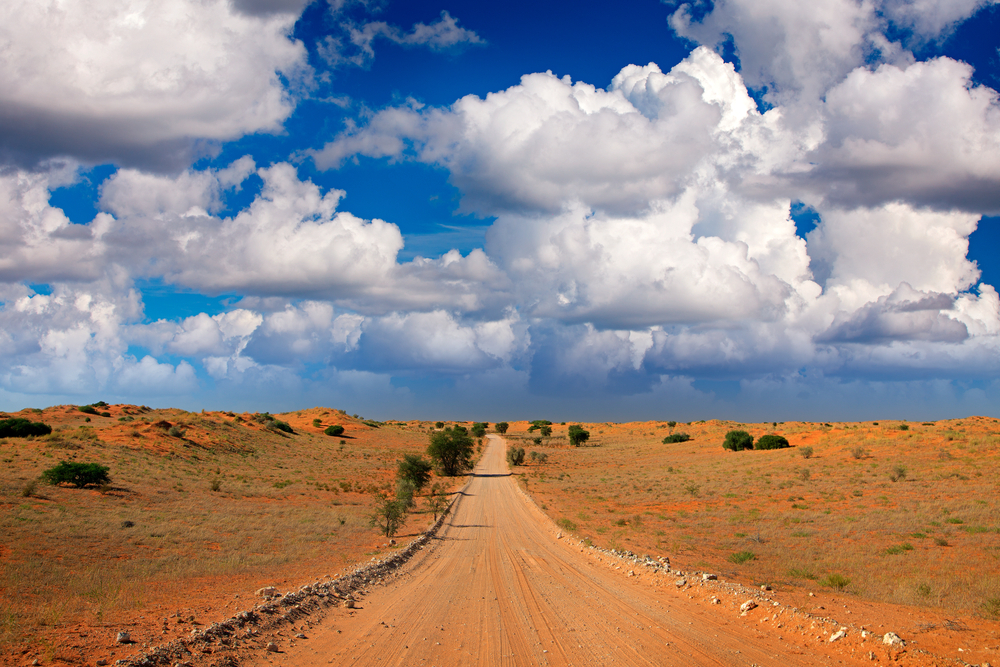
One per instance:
[(140, 83)]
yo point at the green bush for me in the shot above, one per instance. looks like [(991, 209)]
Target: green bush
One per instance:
[(771, 442), (279, 425), (502, 427), (451, 450), (538, 423), (671, 424), (438, 424), (88, 409), (676, 437), (77, 474), (738, 440), (515, 456), (479, 429), (334, 430), (414, 469), (806, 452), (18, 427), (577, 435)]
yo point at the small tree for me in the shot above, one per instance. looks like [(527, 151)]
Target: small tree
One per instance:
[(771, 442), (479, 429), (578, 436), (416, 470), (738, 441), (438, 424), (77, 474), (438, 500), (451, 450), (546, 431), (502, 427), (671, 424), (405, 490), (676, 437), (334, 430), (389, 515)]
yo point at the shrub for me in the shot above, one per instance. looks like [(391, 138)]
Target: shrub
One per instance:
[(29, 489), (317, 422), (438, 424), (334, 430), (741, 557), (515, 456), (405, 490), (451, 450), (904, 427), (278, 425), (837, 581), (88, 409), (577, 435), (416, 470), (738, 440), (216, 485), (175, 431), (806, 452), (858, 452), (898, 473), (502, 427), (771, 442), (77, 474), (538, 423), (438, 500), (676, 437), (671, 424), (18, 427), (389, 515), (538, 457), (478, 429), (804, 474), (546, 431), (537, 441), (566, 524)]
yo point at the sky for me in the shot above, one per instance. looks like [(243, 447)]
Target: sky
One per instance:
[(743, 209)]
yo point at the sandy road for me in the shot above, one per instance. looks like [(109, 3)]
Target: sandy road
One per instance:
[(498, 588)]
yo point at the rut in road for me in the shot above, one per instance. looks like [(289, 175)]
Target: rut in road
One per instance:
[(498, 588)]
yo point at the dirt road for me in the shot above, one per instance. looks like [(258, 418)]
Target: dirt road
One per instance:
[(499, 588)]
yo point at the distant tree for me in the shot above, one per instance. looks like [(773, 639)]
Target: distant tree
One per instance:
[(415, 469), (676, 437), (389, 515), (502, 427), (77, 474), (738, 440), (671, 424), (438, 424), (18, 427), (538, 423), (334, 430), (451, 450), (479, 429), (546, 431), (577, 436)]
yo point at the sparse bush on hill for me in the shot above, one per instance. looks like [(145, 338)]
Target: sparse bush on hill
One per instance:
[(741, 557), (671, 424), (416, 470), (77, 474), (451, 450), (18, 427), (502, 427), (438, 424), (538, 457), (771, 442), (806, 452), (737, 441), (278, 425), (577, 435), (835, 581), (334, 430), (897, 473), (88, 409), (175, 431), (537, 424), (676, 437)]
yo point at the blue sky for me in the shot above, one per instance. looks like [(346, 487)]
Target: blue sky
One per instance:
[(746, 209)]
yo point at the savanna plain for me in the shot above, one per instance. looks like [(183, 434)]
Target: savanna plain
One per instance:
[(888, 525)]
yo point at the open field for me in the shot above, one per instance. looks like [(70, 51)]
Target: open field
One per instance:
[(189, 523), (836, 520)]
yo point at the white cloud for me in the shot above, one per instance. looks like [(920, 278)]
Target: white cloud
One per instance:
[(139, 82), (357, 46)]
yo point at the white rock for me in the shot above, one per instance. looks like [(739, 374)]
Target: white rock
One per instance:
[(123, 638), (748, 605), (708, 577), (892, 639), (267, 591), (272, 647), (840, 634)]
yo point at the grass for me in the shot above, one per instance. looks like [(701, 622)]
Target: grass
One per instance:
[(740, 557)]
